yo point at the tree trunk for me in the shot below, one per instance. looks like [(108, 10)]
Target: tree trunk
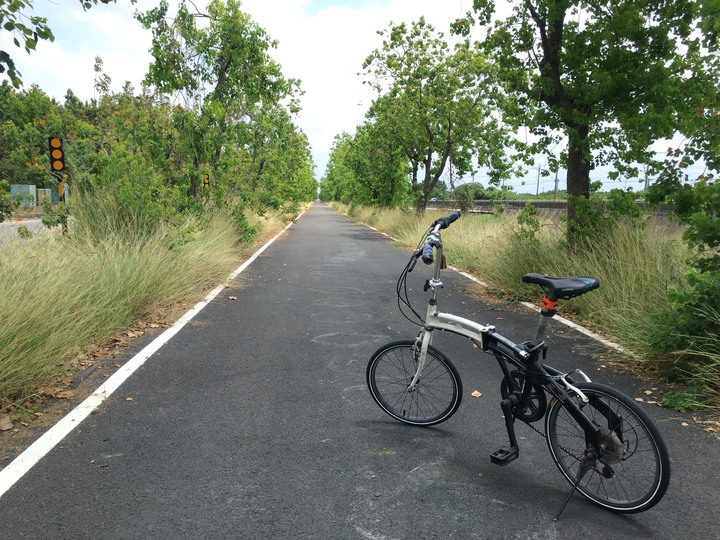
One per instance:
[(415, 186), (424, 192), (194, 179), (422, 197), (578, 181)]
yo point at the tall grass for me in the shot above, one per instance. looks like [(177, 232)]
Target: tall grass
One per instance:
[(701, 366), (62, 295), (635, 265)]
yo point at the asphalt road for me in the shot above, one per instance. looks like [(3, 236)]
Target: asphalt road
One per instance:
[(254, 422)]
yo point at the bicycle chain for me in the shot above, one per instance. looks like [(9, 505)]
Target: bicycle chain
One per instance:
[(536, 430)]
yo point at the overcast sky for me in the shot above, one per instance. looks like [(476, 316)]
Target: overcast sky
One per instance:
[(321, 42)]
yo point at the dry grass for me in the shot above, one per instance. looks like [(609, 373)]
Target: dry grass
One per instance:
[(62, 295), (635, 266)]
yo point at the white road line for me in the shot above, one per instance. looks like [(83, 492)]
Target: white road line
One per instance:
[(35, 452)]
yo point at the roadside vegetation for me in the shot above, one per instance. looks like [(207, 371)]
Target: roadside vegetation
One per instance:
[(67, 297), (157, 194), (636, 260)]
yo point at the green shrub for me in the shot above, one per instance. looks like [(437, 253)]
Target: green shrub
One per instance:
[(24, 232), (245, 231)]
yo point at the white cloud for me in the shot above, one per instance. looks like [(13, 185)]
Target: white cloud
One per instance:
[(109, 31), (324, 50)]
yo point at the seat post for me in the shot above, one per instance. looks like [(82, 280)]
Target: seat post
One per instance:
[(548, 311)]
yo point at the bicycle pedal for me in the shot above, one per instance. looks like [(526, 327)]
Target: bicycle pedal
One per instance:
[(503, 456)]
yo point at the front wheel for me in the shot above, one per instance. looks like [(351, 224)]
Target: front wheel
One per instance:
[(435, 397), (632, 471)]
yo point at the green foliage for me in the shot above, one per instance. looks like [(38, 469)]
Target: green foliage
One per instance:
[(240, 121), (611, 79), (435, 105), (696, 203), (245, 231), (56, 215), (153, 155), (338, 184), (440, 191), (464, 196), (599, 214), (366, 169), (17, 200), (685, 400), (696, 305), (5, 202), (528, 225), (24, 232)]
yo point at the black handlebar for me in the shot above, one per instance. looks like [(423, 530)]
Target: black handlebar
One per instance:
[(427, 253), (447, 220), (433, 240)]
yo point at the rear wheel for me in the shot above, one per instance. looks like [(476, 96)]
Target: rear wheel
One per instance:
[(435, 397), (633, 469)]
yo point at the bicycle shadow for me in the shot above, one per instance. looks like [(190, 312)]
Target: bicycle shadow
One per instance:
[(531, 486)]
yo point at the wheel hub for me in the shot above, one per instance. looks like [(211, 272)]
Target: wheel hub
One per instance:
[(613, 450)]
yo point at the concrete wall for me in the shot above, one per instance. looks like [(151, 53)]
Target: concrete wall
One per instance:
[(29, 194)]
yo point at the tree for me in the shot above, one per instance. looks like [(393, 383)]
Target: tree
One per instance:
[(696, 203), (278, 160), (27, 119), (366, 168), (612, 77), (102, 80), (437, 101), (27, 30), (222, 71), (339, 183)]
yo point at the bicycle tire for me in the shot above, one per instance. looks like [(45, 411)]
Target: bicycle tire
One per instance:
[(436, 396), (634, 473)]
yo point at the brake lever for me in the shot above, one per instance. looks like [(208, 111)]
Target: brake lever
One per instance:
[(413, 260)]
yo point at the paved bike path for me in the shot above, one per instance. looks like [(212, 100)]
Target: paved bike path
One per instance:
[(254, 422)]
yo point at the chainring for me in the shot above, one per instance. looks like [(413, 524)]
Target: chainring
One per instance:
[(534, 409)]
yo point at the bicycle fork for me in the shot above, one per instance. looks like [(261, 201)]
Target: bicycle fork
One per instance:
[(423, 340)]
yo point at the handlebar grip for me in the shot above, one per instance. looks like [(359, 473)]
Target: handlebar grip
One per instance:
[(445, 222), (427, 254)]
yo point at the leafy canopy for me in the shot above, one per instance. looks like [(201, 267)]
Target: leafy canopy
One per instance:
[(437, 102)]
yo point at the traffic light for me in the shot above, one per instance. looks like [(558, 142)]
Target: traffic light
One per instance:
[(57, 155), (207, 180)]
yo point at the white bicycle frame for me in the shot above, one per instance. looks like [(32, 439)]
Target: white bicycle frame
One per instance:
[(436, 320), (451, 323)]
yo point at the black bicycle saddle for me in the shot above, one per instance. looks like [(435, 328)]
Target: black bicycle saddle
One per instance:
[(562, 287)]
